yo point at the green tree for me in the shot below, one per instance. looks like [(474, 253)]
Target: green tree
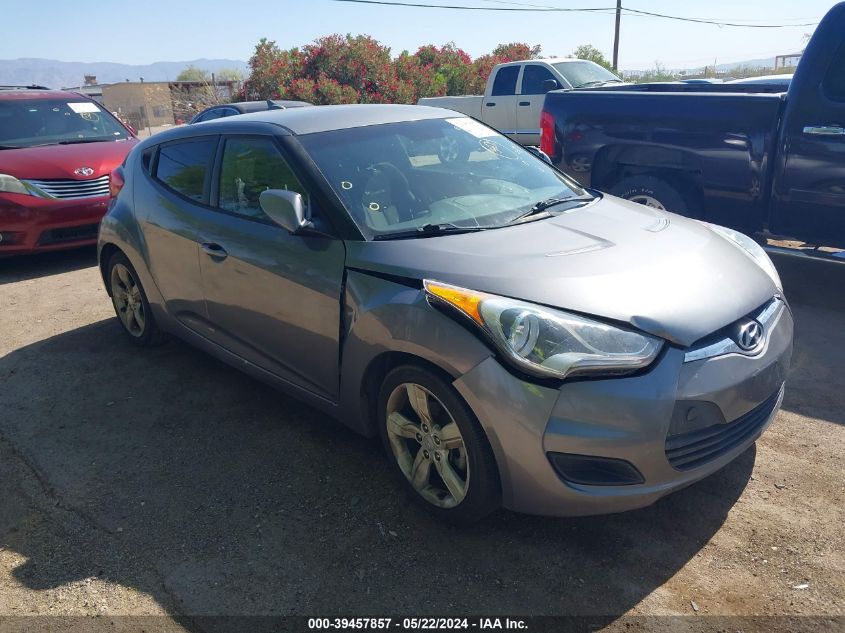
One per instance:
[(192, 73), (591, 53), (229, 74)]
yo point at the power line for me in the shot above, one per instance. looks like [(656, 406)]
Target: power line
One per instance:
[(548, 9), (717, 22), (465, 8)]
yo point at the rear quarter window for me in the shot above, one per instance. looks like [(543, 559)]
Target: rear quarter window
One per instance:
[(184, 166)]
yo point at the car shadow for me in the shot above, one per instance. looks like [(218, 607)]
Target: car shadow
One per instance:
[(816, 384), (168, 472), (35, 266)]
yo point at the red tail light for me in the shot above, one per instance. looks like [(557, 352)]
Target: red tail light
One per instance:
[(547, 134), (116, 182)]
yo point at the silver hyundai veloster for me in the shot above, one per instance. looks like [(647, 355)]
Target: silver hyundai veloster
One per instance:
[(513, 338)]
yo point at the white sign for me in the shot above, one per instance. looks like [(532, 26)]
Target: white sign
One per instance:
[(83, 106), (473, 127)]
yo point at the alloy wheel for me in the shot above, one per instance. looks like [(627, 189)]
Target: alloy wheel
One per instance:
[(427, 445), (128, 303)]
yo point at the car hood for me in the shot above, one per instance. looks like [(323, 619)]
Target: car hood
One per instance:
[(664, 274), (59, 161)]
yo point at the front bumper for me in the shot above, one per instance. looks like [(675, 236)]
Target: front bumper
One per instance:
[(627, 419), (32, 224)]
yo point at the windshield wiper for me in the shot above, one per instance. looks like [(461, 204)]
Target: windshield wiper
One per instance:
[(541, 206), (84, 140), (598, 82), (428, 230)]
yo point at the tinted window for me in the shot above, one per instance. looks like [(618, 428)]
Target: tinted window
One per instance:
[(505, 81), (834, 81), (184, 165), (250, 166), (211, 114), (532, 79)]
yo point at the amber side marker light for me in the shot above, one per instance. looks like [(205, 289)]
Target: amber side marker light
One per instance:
[(467, 301)]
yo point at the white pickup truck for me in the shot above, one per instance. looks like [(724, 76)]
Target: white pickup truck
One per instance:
[(515, 91)]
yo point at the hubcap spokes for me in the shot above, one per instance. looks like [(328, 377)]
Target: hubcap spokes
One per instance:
[(126, 296), (427, 445)]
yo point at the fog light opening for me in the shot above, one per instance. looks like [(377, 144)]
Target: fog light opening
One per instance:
[(588, 470)]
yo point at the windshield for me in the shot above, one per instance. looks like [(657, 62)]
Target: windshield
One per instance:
[(583, 72), (447, 173), (31, 122)]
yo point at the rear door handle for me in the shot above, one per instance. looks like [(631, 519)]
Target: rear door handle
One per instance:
[(490, 104), (524, 103), (214, 250), (825, 130)]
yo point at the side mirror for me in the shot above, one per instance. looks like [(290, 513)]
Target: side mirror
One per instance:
[(540, 153), (550, 84), (285, 208)]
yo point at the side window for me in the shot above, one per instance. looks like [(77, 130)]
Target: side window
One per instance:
[(833, 83), (250, 166), (533, 77), (505, 82), (184, 165), (211, 114)]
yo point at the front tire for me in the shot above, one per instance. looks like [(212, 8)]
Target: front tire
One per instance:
[(130, 303), (437, 446)]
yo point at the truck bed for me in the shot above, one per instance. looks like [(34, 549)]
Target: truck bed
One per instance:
[(469, 105)]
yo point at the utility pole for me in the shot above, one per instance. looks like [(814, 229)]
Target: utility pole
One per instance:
[(616, 36)]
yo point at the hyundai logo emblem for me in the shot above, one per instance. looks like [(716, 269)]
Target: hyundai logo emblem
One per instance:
[(83, 171), (749, 335)]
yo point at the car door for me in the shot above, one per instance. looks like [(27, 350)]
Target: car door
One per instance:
[(272, 298), (498, 110), (171, 196), (809, 192), (530, 103)]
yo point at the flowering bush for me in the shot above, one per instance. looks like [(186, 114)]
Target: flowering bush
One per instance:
[(346, 69)]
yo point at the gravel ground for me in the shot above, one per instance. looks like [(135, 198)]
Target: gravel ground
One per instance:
[(163, 482)]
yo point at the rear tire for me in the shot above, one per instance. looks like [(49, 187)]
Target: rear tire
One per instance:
[(442, 455), (652, 192), (130, 303)]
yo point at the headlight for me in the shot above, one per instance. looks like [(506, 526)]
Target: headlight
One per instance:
[(10, 184), (752, 249), (546, 342)]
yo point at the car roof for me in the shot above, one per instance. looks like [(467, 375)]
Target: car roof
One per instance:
[(334, 117), (37, 93)]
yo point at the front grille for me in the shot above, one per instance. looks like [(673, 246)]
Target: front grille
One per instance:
[(71, 234), (73, 189), (686, 451)]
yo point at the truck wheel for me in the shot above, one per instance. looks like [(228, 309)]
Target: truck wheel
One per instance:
[(651, 192)]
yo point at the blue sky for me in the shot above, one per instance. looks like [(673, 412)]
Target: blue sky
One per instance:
[(143, 32)]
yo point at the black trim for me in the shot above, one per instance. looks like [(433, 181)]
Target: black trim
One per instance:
[(410, 282)]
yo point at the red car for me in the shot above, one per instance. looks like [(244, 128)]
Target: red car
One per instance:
[(57, 152)]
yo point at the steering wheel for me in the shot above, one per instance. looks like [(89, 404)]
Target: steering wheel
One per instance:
[(398, 191)]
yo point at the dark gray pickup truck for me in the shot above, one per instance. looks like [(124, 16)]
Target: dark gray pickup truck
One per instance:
[(750, 157)]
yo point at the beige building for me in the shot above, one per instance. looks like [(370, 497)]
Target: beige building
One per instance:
[(156, 103)]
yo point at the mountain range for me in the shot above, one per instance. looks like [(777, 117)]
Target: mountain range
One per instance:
[(58, 74)]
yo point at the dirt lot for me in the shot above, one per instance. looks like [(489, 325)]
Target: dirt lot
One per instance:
[(163, 482)]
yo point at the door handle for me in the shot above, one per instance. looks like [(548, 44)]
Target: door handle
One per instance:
[(825, 130), (214, 250), (525, 103), (490, 104)]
